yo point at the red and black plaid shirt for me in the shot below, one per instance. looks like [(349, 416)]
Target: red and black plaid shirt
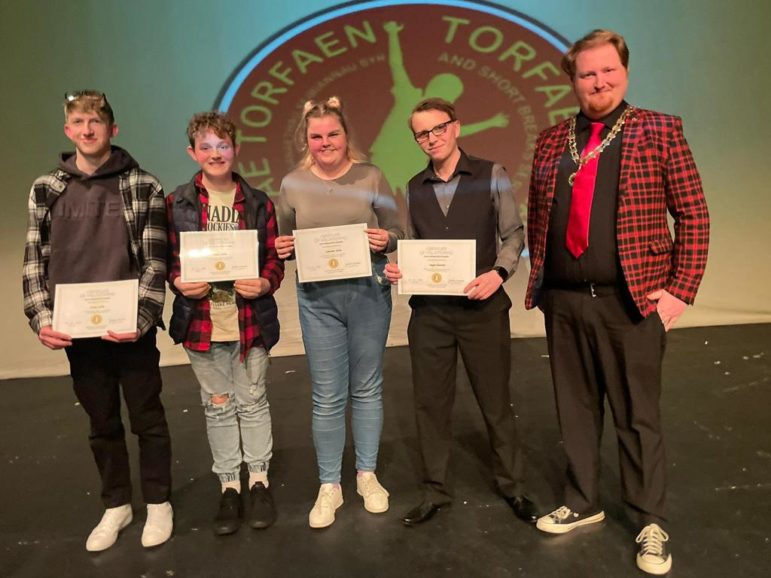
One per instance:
[(199, 332)]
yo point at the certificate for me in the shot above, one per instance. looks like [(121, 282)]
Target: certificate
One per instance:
[(218, 255), (328, 253), (436, 266), (90, 309)]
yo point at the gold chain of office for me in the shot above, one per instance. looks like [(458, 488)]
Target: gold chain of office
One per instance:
[(581, 161)]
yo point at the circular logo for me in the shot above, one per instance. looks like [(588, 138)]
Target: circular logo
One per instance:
[(436, 277), (96, 319), (499, 67), (334, 263), (219, 265)]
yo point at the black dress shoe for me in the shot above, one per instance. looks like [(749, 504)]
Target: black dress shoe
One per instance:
[(419, 514), (228, 518), (262, 512), (523, 508)]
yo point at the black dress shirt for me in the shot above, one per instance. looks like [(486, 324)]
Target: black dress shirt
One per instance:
[(599, 264)]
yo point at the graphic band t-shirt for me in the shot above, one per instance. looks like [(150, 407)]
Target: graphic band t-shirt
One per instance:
[(222, 297)]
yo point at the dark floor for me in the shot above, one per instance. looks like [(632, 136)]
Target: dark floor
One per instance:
[(715, 407)]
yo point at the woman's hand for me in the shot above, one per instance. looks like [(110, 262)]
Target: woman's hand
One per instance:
[(284, 246), (378, 240)]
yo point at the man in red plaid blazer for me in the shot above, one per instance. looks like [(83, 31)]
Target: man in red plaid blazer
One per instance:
[(611, 280)]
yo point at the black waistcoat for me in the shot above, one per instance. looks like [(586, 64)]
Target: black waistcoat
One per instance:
[(471, 215)]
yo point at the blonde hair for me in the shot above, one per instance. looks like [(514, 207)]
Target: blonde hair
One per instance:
[(88, 101), (317, 109), (595, 38)]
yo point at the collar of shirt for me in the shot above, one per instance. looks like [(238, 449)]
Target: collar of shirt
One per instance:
[(583, 123), (204, 194), (463, 166)]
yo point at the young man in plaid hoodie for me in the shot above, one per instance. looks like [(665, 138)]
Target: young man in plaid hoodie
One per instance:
[(227, 328), (99, 217)]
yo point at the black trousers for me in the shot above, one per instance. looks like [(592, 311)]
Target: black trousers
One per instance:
[(99, 368), (438, 329), (600, 347)]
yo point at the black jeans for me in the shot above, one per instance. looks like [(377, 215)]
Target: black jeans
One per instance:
[(99, 368)]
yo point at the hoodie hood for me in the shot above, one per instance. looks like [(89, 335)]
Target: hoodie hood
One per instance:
[(120, 161)]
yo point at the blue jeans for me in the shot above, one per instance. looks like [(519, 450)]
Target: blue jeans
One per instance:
[(243, 419), (345, 326)]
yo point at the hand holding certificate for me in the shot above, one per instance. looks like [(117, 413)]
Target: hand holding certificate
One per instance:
[(93, 309), (218, 255), (436, 266), (328, 253)]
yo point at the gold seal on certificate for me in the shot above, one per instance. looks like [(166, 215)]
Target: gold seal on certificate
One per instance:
[(218, 255), (91, 309), (328, 253), (436, 266)]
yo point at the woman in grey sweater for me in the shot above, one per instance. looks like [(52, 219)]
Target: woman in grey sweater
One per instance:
[(344, 322)]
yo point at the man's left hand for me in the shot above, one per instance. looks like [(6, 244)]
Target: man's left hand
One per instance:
[(252, 288), (483, 286), (669, 307), (121, 337)]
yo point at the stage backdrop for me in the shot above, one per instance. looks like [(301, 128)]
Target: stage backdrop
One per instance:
[(159, 62)]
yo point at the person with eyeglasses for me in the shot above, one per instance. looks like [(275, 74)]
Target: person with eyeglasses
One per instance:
[(99, 217), (344, 322), (228, 327), (458, 196)]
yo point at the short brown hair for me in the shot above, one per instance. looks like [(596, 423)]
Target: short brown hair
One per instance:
[(88, 101), (214, 121), (595, 38), (317, 109), (434, 104)]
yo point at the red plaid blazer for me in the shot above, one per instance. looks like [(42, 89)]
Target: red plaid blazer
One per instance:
[(658, 175)]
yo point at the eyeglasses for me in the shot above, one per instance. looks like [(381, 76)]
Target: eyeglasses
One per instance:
[(75, 95), (438, 130)]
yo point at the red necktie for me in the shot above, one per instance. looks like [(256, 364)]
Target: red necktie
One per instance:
[(577, 237)]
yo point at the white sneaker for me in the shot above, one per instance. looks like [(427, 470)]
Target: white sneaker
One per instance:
[(106, 531), (654, 556), (375, 496), (330, 498), (159, 524), (563, 520)]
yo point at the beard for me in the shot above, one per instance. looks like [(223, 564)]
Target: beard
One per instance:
[(600, 104)]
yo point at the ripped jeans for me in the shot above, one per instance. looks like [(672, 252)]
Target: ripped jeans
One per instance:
[(242, 418)]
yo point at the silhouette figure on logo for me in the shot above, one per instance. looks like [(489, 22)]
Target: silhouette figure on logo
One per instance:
[(392, 150)]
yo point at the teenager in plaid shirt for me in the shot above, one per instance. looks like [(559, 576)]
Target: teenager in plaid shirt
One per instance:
[(612, 280), (99, 217), (227, 328)]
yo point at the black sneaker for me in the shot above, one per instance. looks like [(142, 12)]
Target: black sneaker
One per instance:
[(564, 520), (262, 512), (654, 556), (228, 518)]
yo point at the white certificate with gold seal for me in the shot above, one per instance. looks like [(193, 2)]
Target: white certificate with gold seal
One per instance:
[(329, 253), (91, 309), (206, 256), (436, 266)]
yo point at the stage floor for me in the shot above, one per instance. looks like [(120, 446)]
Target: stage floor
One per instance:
[(715, 406)]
